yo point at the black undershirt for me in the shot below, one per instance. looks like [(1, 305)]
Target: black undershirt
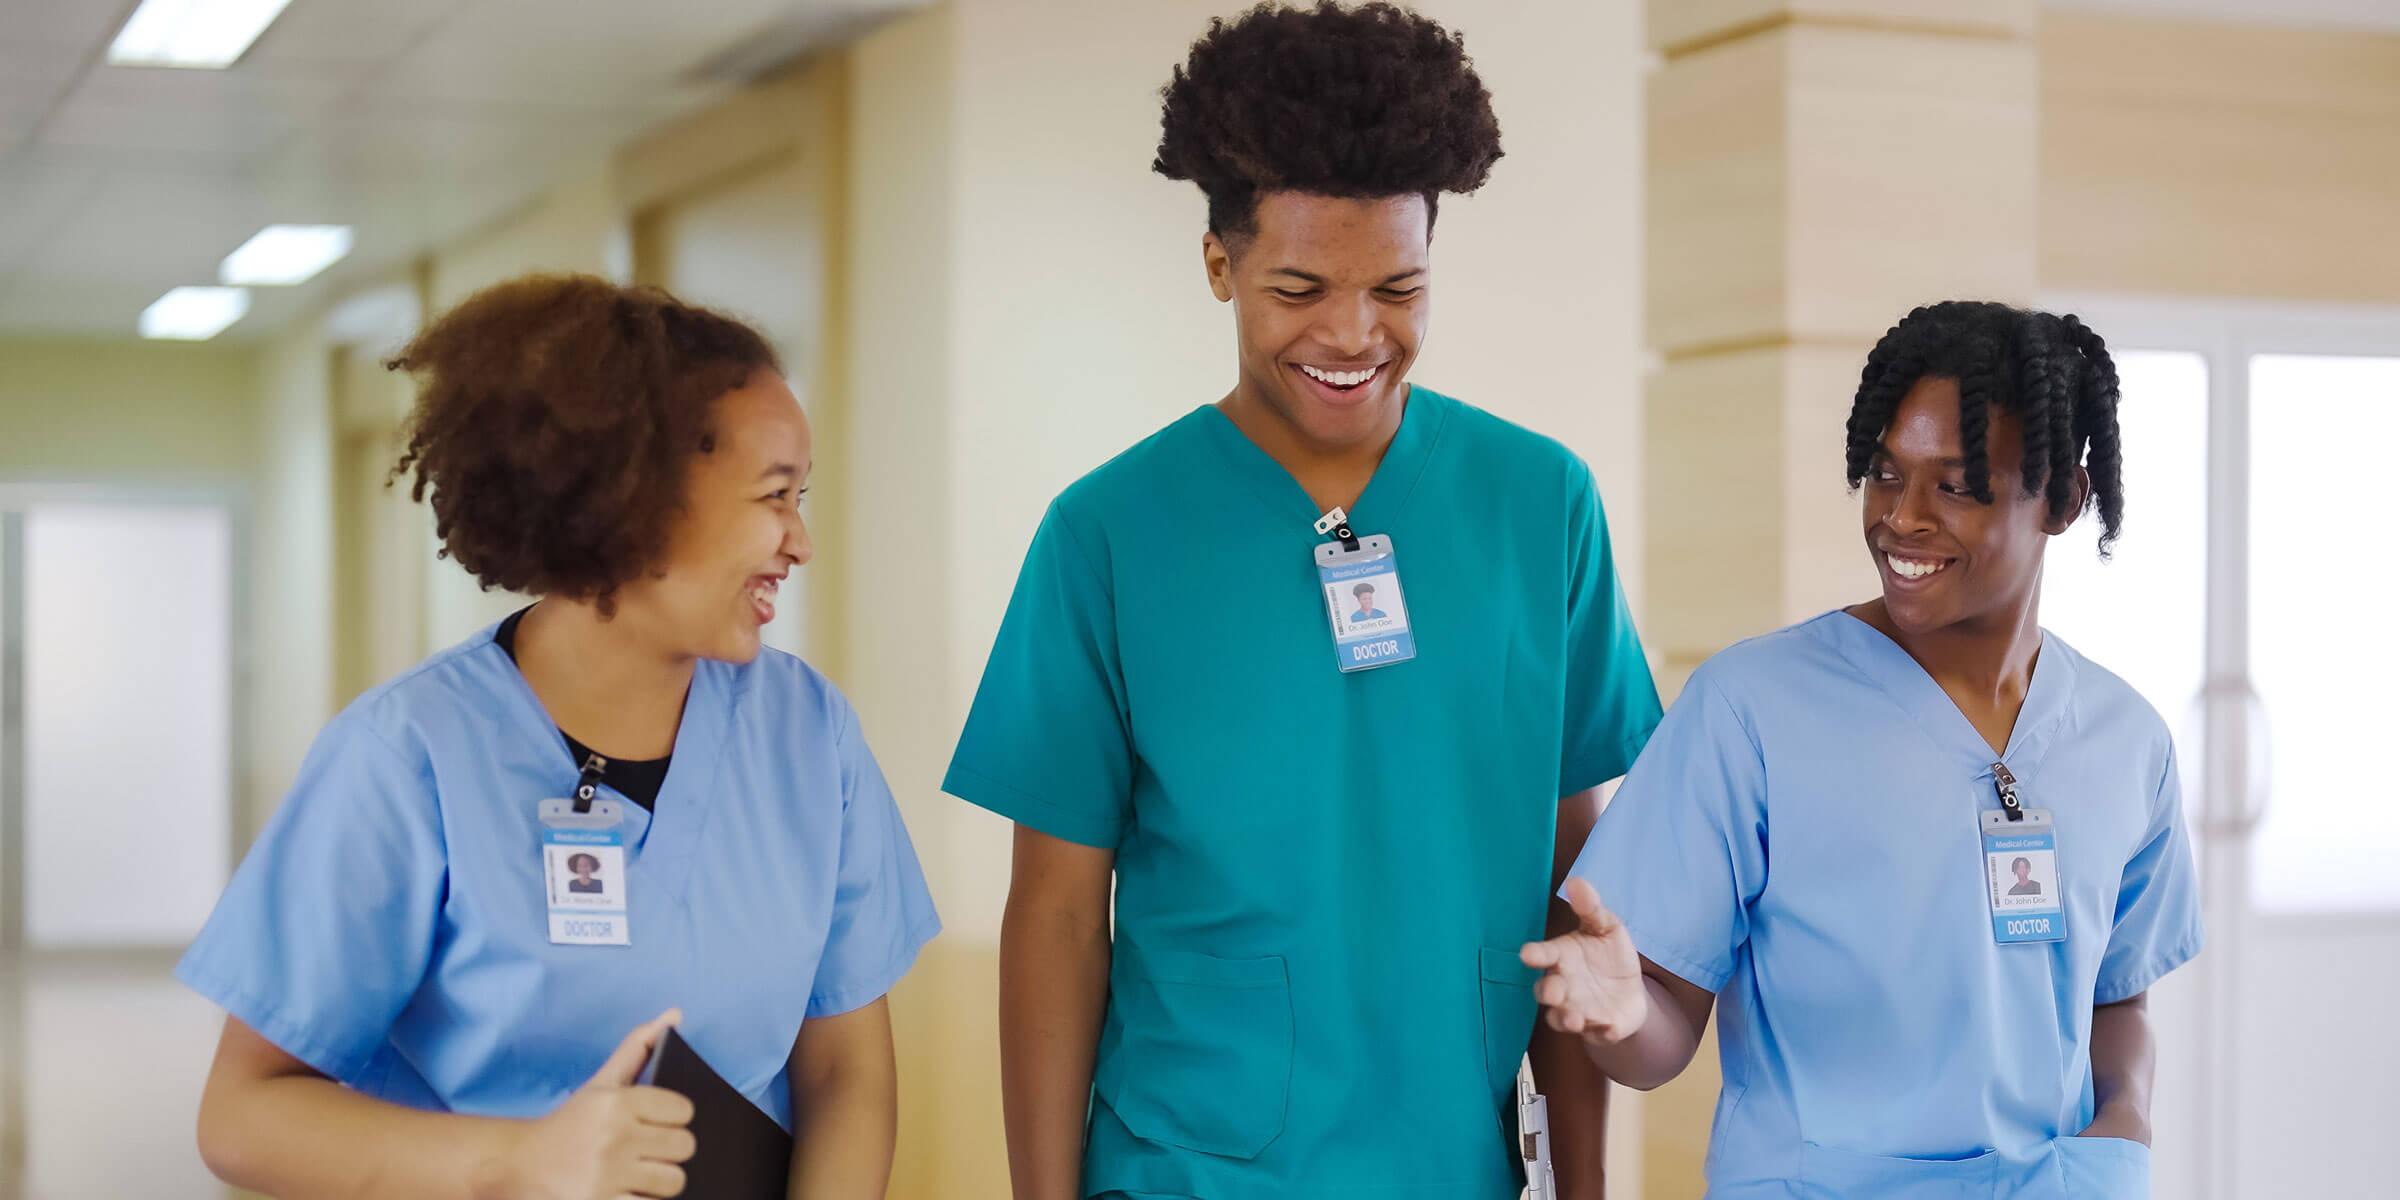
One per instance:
[(636, 781)]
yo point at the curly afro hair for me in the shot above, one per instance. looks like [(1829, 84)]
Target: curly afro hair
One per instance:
[(555, 421), (1360, 103), (2053, 373)]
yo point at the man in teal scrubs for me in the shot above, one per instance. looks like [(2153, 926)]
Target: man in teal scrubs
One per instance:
[(1323, 866)]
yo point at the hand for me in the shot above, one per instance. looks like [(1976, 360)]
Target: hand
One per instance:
[(2119, 1123), (1592, 977), (609, 1140)]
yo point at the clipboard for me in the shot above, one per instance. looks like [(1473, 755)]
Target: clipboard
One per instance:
[(743, 1153)]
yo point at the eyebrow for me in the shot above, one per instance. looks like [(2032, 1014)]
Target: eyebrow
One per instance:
[(1888, 456), (1297, 273), (786, 470)]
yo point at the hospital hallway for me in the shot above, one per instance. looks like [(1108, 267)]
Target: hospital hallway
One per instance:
[(219, 223)]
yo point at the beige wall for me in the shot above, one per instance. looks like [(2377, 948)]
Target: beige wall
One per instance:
[(2200, 159), (291, 667), (742, 208), (127, 410)]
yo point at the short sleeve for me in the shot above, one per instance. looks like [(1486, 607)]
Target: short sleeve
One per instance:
[(1611, 701), (882, 914), (327, 928), (2158, 926), (1680, 854), (1047, 744)]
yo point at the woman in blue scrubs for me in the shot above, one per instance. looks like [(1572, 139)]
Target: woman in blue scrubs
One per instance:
[(1822, 838), (420, 1002)]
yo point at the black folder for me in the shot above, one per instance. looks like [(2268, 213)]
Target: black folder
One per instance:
[(743, 1154)]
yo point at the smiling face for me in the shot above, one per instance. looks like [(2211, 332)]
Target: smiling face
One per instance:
[(1330, 305), (1366, 599), (1947, 559), (739, 532)]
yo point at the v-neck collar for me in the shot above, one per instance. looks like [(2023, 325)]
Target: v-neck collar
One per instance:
[(1892, 668), (658, 842), (1387, 492)]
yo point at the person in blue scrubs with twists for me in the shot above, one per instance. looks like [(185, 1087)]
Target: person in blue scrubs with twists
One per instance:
[(1329, 823), (1822, 840), (427, 996)]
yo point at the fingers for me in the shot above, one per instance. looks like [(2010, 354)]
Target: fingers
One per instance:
[(1596, 919), (658, 1106), (657, 1179), (665, 1144), (1542, 955), (624, 1064)]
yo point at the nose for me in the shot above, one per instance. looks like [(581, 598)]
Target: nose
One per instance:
[(1351, 326), (797, 545), (1912, 512)]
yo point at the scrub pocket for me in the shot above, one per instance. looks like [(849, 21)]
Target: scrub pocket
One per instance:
[(1828, 1174), (1508, 1015), (2104, 1168), (1205, 1058)]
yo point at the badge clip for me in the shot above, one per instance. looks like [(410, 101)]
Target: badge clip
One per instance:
[(1337, 523), (2007, 784), (587, 785)]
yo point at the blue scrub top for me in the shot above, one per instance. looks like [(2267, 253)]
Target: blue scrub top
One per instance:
[(1322, 879), (389, 927), (1802, 838)]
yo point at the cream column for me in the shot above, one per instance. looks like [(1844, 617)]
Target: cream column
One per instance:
[(1816, 169)]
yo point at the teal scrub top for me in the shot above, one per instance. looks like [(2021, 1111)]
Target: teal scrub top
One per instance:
[(1323, 879), (1803, 839)]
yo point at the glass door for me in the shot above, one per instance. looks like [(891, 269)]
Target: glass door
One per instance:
[(2253, 603), (119, 736)]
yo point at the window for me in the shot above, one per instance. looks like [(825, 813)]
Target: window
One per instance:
[(2324, 629)]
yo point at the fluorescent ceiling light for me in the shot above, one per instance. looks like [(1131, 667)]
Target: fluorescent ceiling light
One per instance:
[(191, 33), (286, 254), (194, 314)]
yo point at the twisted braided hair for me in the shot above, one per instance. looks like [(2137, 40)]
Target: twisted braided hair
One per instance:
[(2052, 373)]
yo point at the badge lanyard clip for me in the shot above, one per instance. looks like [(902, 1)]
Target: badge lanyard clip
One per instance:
[(1337, 523), (587, 785), (2007, 784)]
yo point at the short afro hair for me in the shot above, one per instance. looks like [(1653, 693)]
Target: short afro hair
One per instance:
[(555, 423), (1360, 103)]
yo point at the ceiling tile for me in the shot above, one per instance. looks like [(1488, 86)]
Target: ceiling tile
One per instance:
[(228, 113), (354, 32), (75, 25), (38, 197)]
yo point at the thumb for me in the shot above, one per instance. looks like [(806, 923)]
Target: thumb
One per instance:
[(1585, 900), (624, 1065)]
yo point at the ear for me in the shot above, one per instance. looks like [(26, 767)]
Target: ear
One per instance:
[(1219, 262), (2080, 495)]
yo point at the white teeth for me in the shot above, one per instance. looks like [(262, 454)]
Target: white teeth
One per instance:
[(1341, 378), (1908, 568)]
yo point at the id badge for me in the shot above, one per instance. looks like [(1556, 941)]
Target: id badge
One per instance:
[(583, 873), (1361, 589), (2020, 869)]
